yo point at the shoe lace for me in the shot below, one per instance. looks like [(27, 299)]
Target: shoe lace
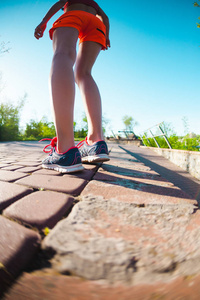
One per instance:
[(52, 144)]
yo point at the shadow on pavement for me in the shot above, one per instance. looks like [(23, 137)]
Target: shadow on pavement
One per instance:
[(185, 184), (133, 182)]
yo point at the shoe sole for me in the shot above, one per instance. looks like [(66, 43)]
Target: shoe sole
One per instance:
[(96, 158), (63, 169)]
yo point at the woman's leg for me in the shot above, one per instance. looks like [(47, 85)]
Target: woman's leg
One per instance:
[(63, 85), (87, 54)]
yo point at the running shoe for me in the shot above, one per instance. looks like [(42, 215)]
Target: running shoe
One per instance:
[(97, 152), (67, 162)]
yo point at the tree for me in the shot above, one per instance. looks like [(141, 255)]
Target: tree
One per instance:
[(186, 125), (129, 123), (9, 114), (1, 82), (9, 120), (38, 130), (4, 48), (168, 129), (196, 4), (105, 123), (74, 126), (85, 126)]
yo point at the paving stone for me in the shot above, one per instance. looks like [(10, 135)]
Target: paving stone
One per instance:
[(120, 242), (118, 152), (135, 176), (46, 172), (114, 153), (130, 165), (17, 248), (10, 176), (145, 184), (10, 192), (130, 169), (52, 287), (85, 174), (29, 169), (12, 168), (67, 184), (3, 165), (132, 193), (28, 163), (40, 209), (31, 159), (9, 161), (12, 159), (125, 160), (92, 167)]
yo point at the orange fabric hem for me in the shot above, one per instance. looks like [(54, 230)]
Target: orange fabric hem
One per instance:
[(90, 27)]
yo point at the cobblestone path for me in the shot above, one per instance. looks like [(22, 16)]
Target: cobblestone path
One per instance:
[(125, 229)]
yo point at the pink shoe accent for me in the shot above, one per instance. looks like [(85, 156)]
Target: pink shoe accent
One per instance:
[(86, 141), (65, 151)]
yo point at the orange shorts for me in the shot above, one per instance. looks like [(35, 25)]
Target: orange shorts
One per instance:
[(89, 26)]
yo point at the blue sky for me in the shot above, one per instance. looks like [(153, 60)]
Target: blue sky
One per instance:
[(150, 73)]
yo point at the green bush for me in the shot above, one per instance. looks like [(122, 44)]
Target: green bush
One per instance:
[(38, 130), (9, 121), (43, 129), (82, 133), (182, 143)]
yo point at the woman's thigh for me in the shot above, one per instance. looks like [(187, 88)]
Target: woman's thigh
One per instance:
[(65, 39)]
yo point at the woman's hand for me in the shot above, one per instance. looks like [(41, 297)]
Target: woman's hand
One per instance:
[(107, 43), (39, 30)]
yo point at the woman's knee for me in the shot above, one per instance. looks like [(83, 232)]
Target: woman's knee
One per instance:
[(65, 53), (81, 74)]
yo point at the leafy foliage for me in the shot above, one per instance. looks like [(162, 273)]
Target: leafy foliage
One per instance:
[(84, 130), (196, 4), (4, 47), (35, 130), (81, 133), (167, 129), (185, 125), (38, 130), (9, 120), (129, 122), (189, 142)]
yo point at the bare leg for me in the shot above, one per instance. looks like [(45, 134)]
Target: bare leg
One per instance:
[(87, 54), (63, 85)]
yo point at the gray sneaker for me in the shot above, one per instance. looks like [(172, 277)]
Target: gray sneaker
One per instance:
[(97, 152)]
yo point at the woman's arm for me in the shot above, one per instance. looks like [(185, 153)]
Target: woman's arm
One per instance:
[(39, 30), (105, 20)]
